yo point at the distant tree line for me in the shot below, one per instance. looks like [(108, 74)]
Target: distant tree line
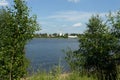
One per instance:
[(56, 35)]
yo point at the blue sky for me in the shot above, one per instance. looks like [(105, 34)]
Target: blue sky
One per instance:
[(67, 16)]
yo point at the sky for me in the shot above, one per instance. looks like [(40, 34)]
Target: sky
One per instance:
[(67, 16)]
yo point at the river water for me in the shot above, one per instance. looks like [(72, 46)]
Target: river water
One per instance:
[(45, 53)]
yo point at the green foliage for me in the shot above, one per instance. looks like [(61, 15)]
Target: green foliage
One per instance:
[(97, 51), (16, 28), (114, 21)]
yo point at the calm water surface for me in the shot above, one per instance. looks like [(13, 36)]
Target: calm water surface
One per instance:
[(44, 53)]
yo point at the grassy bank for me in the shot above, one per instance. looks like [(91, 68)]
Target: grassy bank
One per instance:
[(64, 76)]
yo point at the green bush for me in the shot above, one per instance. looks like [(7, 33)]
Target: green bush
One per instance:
[(98, 52), (16, 28)]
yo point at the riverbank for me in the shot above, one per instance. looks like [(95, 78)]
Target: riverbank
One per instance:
[(64, 76), (57, 35)]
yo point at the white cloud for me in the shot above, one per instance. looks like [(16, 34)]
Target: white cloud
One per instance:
[(77, 25), (74, 1), (74, 15), (3, 3), (25, 0), (68, 21)]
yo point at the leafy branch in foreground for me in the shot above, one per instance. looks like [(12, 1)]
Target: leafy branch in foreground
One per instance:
[(16, 28), (98, 50)]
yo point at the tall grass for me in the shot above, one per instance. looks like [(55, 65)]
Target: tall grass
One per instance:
[(64, 76), (57, 74)]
